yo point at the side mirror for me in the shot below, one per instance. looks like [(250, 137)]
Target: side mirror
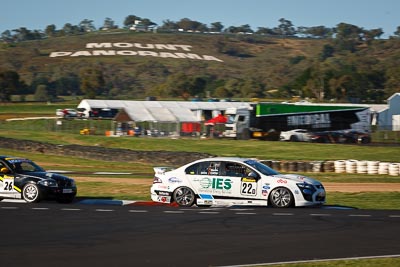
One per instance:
[(4, 170), (253, 175)]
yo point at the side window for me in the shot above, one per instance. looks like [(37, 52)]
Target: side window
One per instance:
[(193, 169), (241, 118), (235, 169), (204, 168)]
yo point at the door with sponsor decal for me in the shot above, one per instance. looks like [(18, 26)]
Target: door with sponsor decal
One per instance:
[(8, 189), (245, 181), (208, 180)]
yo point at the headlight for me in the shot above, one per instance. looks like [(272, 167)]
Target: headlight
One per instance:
[(306, 188), (48, 182)]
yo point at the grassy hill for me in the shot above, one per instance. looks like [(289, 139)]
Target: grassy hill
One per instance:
[(268, 62)]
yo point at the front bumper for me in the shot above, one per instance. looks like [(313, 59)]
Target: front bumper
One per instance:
[(47, 192)]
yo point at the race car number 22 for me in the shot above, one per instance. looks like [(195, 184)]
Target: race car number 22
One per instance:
[(249, 188)]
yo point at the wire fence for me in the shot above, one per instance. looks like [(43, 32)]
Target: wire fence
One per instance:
[(145, 129)]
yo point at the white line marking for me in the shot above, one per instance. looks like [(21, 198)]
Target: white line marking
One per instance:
[(102, 210), (69, 209), (209, 212), (9, 208), (240, 209), (320, 214), (14, 200), (245, 213), (311, 261), (40, 208), (283, 214), (138, 211), (359, 215), (173, 211), (394, 216)]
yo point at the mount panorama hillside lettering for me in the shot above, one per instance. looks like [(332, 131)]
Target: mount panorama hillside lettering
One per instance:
[(177, 51)]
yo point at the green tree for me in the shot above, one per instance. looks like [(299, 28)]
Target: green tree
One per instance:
[(191, 25), (216, 27), (285, 28), (86, 25), (6, 36), (50, 30), (70, 29), (327, 52), (130, 20), (41, 93), (92, 82), (109, 24), (222, 92), (9, 84), (169, 25)]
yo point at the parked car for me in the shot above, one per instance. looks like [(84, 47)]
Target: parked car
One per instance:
[(233, 181), (21, 178), (295, 135), (341, 137), (67, 113)]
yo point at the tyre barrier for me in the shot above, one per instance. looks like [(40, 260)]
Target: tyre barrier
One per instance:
[(351, 166), (340, 166), (301, 166), (383, 168), (337, 166), (292, 166), (394, 169), (328, 166), (372, 167), (284, 166), (362, 166)]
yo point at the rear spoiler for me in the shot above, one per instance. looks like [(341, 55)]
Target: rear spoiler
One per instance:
[(162, 170)]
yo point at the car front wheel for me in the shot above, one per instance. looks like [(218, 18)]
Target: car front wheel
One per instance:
[(184, 196), (281, 197), (30, 193)]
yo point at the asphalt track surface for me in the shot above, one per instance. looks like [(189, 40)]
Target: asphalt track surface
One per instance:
[(51, 234)]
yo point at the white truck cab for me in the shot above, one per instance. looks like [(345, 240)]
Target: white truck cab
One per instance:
[(238, 123)]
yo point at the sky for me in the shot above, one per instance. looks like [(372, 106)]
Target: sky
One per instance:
[(367, 14)]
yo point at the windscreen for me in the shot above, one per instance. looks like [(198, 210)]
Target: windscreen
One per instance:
[(264, 169)]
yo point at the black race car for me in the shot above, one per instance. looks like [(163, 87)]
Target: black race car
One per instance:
[(22, 178)]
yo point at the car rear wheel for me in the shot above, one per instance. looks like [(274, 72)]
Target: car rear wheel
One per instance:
[(30, 193), (184, 196), (281, 197)]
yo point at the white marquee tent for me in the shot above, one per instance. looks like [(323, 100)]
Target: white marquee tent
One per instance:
[(160, 111)]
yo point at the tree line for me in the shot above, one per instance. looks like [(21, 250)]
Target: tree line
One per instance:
[(285, 28)]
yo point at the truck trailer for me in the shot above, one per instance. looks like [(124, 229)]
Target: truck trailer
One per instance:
[(266, 120)]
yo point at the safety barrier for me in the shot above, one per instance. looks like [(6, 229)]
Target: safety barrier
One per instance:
[(337, 166)]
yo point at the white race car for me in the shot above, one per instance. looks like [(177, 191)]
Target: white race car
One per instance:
[(234, 181)]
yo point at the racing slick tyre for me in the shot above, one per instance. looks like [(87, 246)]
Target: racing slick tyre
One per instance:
[(293, 138), (184, 196), (281, 197), (30, 193)]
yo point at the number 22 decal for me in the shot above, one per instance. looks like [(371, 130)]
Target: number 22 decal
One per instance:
[(249, 189)]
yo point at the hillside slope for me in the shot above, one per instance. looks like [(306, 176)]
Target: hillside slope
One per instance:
[(141, 62)]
